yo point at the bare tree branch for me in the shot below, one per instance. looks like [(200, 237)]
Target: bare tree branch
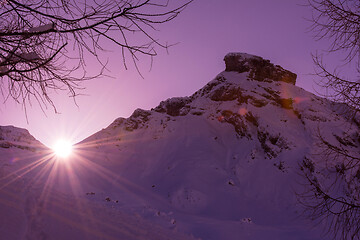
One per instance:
[(332, 193), (38, 40)]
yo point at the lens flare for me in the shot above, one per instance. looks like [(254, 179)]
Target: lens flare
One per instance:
[(243, 111), (62, 148)]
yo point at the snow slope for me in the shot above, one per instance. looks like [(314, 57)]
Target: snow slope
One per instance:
[(220, 164), (39, 199)]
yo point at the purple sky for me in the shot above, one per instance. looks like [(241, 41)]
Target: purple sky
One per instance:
[(206, 31)]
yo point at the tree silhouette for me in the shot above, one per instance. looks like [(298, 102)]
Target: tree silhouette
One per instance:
[(38, 40), (339, 22), (332, 193)]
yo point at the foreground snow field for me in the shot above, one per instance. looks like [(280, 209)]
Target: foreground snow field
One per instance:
[(220, 164)]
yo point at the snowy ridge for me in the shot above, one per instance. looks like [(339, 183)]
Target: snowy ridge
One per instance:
[(11, 136)]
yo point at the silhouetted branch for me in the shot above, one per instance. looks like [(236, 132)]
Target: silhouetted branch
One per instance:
[(39, 40), (331, 193)]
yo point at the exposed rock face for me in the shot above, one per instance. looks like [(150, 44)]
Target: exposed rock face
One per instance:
[(260, 69), (174, 106)]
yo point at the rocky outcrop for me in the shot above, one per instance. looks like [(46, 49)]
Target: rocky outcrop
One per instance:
[(176, 106), (259, 69)]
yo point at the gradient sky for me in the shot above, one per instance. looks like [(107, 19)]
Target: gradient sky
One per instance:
[(206, 31)]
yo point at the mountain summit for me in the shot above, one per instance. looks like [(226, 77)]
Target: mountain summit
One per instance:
[(259, 69), (222, 163), (230, 151)]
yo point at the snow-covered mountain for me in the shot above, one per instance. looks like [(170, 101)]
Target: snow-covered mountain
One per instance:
[(222, 163)]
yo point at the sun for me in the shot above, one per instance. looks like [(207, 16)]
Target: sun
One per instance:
[(62, 148)]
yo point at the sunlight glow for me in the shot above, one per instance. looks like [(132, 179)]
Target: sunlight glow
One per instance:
[(62, 149), (243, 111)]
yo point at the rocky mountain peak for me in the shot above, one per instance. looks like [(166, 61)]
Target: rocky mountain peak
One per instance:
[(259, 69)]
